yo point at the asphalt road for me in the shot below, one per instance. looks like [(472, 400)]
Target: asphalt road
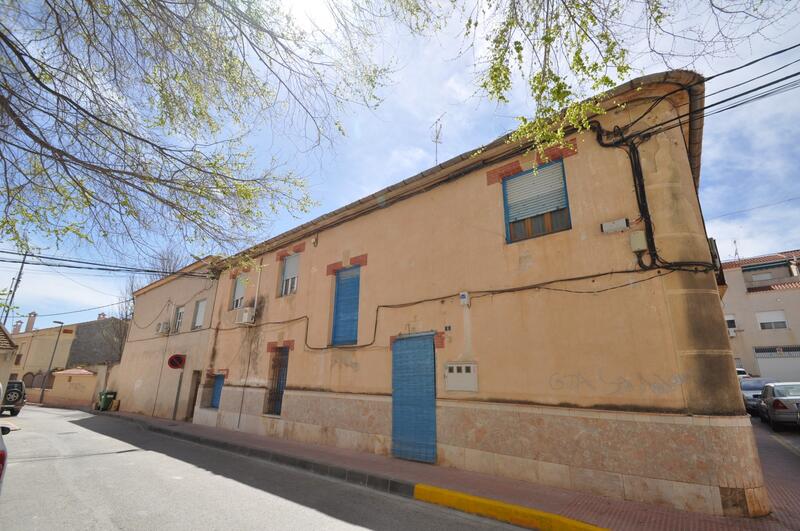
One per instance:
[(71, 470)]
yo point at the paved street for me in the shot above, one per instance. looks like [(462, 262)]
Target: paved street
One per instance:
[(71, 470)]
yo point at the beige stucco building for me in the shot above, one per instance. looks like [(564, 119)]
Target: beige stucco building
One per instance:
[(171, 316), (94, 345), (8, 350), (551, 321), (762, 310)]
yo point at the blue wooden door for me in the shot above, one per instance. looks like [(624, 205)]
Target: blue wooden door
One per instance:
[(345, 307), (219, 381), (414, 399)]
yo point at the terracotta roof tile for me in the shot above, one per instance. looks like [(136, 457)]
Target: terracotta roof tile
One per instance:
[(775, 287), (5, 339), (765, 259)]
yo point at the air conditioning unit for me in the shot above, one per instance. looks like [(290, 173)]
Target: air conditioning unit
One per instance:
[(731, 332), (245, 316), (162, 328)]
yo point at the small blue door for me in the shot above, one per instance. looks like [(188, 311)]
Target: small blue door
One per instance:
[(219, 381), (345, 307), (414, 399)]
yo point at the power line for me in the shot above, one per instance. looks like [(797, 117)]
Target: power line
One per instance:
[(82, 284), (795, 198), (78, 311), (714, 76), (71, 263), (657, 128)]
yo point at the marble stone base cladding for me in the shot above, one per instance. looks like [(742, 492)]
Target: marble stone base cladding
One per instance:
[(356, 422), (695, 463), (699, 463)]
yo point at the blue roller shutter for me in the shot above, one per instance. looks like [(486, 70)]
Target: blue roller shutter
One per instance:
[(414, 399), (345, 308), (531, 194)]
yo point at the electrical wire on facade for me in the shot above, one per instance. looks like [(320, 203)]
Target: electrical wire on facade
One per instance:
[(166, 304), (544, 286)]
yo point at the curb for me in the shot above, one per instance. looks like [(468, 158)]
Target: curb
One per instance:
[(486, 507), (497, 510)]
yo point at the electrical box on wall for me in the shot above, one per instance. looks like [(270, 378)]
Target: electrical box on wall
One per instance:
[(638, 241), (461, 376), (618, 225)]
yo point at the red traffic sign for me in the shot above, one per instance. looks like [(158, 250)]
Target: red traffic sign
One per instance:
[(176, 361)]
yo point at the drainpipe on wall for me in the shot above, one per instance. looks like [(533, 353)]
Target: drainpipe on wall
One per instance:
[(250, 353), (163, 357)]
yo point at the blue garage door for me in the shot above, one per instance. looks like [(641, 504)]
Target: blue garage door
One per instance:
[(345, 306), (414, 399)]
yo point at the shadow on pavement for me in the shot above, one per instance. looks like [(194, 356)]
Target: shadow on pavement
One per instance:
[(340, 500)]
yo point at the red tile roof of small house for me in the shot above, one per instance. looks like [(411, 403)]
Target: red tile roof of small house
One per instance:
[(763, 259)]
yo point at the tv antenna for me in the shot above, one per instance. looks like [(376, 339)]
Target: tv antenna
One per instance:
[(436, 136)]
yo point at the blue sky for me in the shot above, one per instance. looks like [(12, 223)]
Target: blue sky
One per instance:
[(750, 158)]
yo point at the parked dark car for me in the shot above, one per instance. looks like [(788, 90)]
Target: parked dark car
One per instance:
[(751, 392), (780, 404), (4, 430), (14, 397)]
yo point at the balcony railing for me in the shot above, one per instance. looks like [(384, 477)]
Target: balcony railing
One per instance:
[(757, 285)]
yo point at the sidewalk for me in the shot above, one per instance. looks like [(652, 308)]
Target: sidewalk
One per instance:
[(548, 503)]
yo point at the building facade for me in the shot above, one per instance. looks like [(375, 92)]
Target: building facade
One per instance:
[(8, 350), (94, 345), (762, 311), (534, 319), (171, 316)]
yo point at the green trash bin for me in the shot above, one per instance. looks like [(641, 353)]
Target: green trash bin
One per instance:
[(106, 397)]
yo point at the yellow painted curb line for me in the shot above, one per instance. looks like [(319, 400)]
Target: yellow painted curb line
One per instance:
[(506, 512)]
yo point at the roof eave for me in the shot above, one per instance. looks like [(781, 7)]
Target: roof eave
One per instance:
[(690, 81)]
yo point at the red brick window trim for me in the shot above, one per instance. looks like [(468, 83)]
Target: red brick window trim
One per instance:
[(496, 175), (360, 260), (506, 170), (438, 339), (273, 346), (331, 269)]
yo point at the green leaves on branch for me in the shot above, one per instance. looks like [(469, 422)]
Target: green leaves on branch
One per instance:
[(121, 122), (567, 53)]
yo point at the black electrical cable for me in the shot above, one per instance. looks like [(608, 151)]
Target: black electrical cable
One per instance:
[(545, 286), (712, 105), (723, 73), (77, 311), (95, 266), (631, 147), (758, 97)]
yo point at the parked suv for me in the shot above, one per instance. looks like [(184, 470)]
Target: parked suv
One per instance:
[(14, 397)]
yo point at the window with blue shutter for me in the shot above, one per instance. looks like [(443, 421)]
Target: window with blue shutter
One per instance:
[(536, 202), (345, 307)]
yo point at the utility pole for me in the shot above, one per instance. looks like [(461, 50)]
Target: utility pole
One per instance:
[(7, 309), (52, 357)]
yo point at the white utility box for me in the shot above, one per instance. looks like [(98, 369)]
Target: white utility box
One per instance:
[(461, 376)]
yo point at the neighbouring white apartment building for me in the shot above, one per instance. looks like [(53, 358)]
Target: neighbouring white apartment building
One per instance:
[(762, 309)]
